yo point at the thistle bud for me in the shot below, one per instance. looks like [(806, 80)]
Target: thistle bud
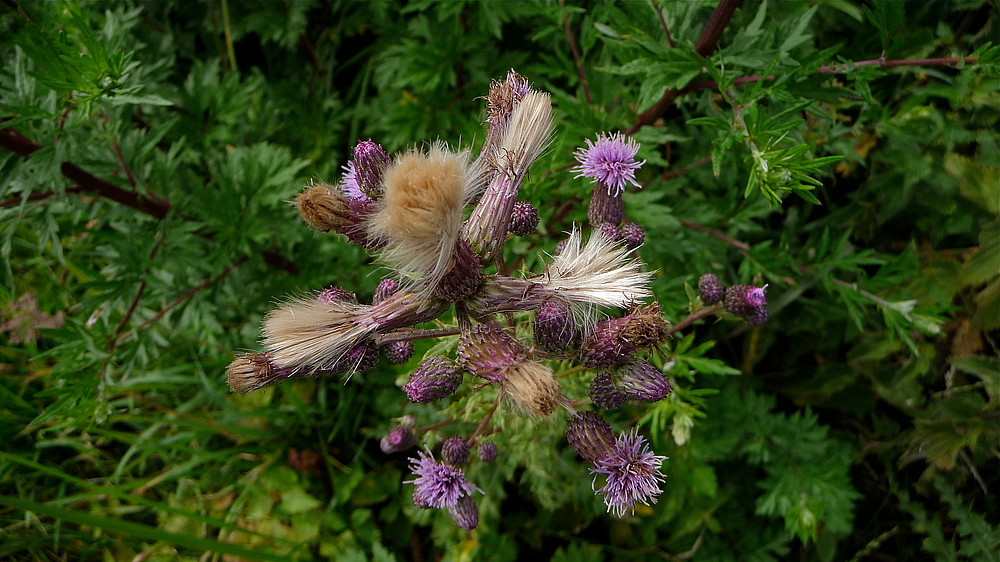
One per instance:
[(524, 219), (488, 451), (465, 513), (710, 289), (253, 371), (741, 300), (324, 208), (436, 378), (360, 358), (486, 350), (398, 438), (334, 294), (633, 235), (604, 394), (641, 380), (386, 288), (555, 329), (370, 161), (757, 317), (455, 451), (560, 246), (398, 352), (590, 435), (608, 230), (464, 277), (605, 208)]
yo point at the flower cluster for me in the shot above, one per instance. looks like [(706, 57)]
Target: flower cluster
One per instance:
[(410, 209)]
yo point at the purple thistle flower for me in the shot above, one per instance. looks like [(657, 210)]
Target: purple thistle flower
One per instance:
[(610, 162), (386, 288), (334, 294), (741, 300), (555, 329), (632, 474), (488, 451), (370, 161), (438, 484)]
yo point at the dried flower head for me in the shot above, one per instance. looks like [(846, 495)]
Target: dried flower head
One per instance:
[(252, 371), (600, 273), (632, 474), (420, 216), (614, 340), (486, 351), (438, 484), (532, 386), (610, 162), (334, 294), (324, 207)]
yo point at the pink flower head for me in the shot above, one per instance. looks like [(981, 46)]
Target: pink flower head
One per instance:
[(632, 472), (610, 162)]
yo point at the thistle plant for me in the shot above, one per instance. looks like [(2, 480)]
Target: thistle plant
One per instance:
[(410, 211)]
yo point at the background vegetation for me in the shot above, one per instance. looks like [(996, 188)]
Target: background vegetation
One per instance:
[(148, 152)]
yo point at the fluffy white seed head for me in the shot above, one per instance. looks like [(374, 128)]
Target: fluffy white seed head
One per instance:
[(419, 218), (599, 273), (309, 334), (527, 134)]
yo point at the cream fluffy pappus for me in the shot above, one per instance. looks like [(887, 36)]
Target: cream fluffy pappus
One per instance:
[(419, 217)]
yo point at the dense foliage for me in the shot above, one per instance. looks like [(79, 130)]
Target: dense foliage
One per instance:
[(844, 153)]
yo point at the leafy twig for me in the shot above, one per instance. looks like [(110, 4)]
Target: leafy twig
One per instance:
[(706, 44)]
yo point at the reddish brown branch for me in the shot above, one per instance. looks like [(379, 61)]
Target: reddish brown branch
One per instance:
[(40, 195), (706, 44), (13, 140), (576, 53), (685, 169), (841, 68), (743, 246)]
